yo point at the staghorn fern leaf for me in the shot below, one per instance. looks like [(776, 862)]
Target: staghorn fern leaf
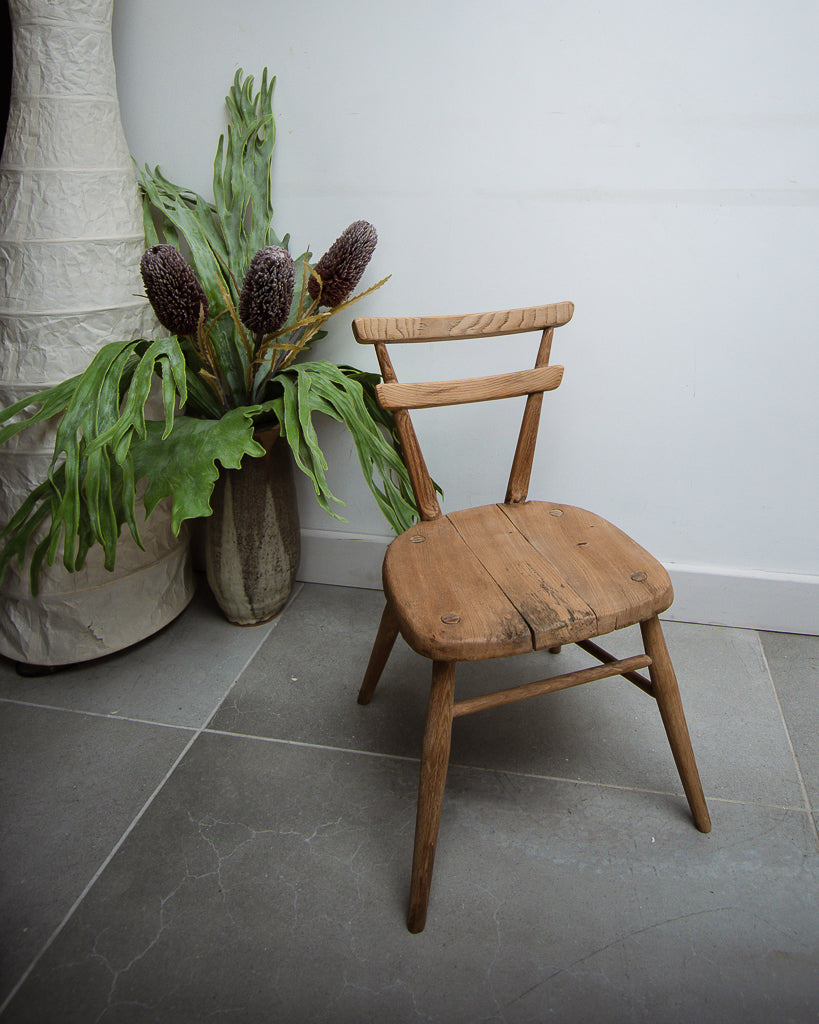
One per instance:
[(91, 495), (346, 395), (90, 490), (105, 445)]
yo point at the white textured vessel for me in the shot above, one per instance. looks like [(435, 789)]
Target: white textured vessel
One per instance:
[(70, 243)]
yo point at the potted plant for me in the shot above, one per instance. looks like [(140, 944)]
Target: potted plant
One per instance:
[(235, 380)]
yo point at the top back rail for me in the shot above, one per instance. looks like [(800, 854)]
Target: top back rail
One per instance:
[(369, 330), (399, 398)]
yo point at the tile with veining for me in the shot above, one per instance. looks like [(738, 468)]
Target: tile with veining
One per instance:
[(70, 785), (607, 732), (794, 666), (267, 882), (176, 676)]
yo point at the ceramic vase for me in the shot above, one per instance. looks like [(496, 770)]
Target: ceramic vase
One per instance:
[(252, 540), (71, 239)]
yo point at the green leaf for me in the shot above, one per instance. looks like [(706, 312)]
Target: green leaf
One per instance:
[(90, 491), (321, 386), (104, 445), (51, 402), (183, 466)]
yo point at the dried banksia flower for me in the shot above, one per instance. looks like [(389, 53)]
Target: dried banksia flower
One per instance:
[(342, 266), (267, 292), (172, 289)]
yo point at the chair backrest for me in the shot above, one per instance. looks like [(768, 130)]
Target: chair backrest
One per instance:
[(400, 398)]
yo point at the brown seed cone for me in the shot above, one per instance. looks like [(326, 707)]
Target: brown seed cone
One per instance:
[(343, 265), (172, 289), (267, 291)]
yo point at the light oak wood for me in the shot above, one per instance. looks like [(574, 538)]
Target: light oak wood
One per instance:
[(664, 684), (626, 667), (511, 578), (475, 389), (555, 613), (420, 480), (422, 486), (448, 605), (608, 659), (434, 764), (617, 577), (515, 582), (518, 487), (384, 642), (462, 326)]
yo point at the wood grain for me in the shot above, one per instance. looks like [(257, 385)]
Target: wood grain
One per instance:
[(462, 326), (434, 764), (447, 603), (533, 584), (608, 659), (666, 691), (411, 454), (384, 642), (519, 475), (509, 578), (625, 667), (474, 389), (616, 577)]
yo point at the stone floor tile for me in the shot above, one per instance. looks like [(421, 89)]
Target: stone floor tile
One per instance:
[(176, 676), (794, 666), (267, 882), (606, 732), (70, 786)]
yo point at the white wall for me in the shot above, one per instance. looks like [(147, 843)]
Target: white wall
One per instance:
[(654, 163)]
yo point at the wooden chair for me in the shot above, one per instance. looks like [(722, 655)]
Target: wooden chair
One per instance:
[(508, 578)]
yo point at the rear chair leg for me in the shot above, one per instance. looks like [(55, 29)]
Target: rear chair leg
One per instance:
[(664, 683), (434, 763), (387, 632)]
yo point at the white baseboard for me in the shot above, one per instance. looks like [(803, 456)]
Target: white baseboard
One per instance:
[(752, 599), (779, 602), (342, 559)]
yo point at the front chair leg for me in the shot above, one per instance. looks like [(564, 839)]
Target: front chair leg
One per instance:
[(664, 684), (387, 632), (434, 763)]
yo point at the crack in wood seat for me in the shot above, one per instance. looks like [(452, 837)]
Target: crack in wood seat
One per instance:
[(509, 578)]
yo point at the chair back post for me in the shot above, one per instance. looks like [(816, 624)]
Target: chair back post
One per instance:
[(521, 472), (400, 398), (420, 480)]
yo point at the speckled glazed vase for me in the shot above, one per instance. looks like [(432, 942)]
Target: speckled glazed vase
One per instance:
[(71, 239), (252, 540)]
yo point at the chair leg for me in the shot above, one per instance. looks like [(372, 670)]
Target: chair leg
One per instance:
[(664, 684), (434, 763), (387, 632)]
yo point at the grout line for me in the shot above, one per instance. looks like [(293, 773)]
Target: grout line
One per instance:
[(197, 732), (500, 771), (800, 777), (115, 717), (294, 593), (52, 938), (112, 716)]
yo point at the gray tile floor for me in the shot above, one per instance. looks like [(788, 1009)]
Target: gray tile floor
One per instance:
[(208, 827)]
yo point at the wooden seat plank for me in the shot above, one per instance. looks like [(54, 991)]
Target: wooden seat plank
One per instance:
[(556, 614), (448, 606), (618, 578)]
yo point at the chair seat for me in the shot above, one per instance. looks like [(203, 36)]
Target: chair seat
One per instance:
[(503, 579)]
